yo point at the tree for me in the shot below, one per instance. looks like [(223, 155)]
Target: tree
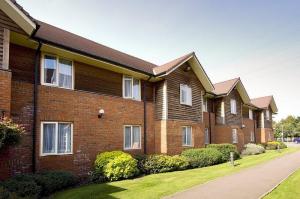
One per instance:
[(290, 126)]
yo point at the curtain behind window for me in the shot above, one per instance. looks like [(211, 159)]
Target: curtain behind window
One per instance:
[(136, 89), (127, 137), (64, 138), (65, 73), (136, 137), (49, 138), (127, 87), (50, 69)]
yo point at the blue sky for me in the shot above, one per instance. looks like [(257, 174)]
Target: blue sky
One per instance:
[(256, 40)]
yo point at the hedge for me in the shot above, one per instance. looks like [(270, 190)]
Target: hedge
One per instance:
[(225, 149), (203, 157), (274, 145)]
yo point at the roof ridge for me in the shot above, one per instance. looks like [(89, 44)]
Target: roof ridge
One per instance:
[(237, 78)]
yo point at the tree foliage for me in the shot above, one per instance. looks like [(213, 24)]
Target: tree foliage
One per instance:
[(290, 126), (10, 133)]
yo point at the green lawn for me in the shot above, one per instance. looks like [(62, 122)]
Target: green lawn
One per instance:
[(289, 189), (159, 185)]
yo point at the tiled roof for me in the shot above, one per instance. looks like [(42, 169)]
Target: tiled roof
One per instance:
[(223, 88), (262, 102)]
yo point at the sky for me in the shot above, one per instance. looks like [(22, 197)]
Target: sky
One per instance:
[(258, 41)]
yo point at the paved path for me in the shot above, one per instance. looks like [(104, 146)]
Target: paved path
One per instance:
[(250, 183)]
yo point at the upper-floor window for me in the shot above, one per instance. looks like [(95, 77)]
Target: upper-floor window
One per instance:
[(187, 136), (57, 71), (185, 94), (250, 114), (234, 136), (131, 88), (204, 104), (267, 114), (233, 106), (223, 112)]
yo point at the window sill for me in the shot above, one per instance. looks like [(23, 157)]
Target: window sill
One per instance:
[(131, 149), (56, 86), (187, 145), (190, 105), (55, 154)]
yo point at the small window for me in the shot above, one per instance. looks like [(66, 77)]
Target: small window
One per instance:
[(233, 106), (131, 88), (187, 136), (207, 138), (267, 114), (57, 72), (185, 95), (204, 104), (132, 137), (250, 114), (56, 138), (234, 136), (222, 112), (252, 136)]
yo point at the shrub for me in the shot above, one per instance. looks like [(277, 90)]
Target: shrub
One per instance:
[(203, 157), (253, 149), (52, 181), (163, 163), (225, 149), (23, 186), (103, 159), (10, 133), (121, 167), (4, 193), (274, 145)]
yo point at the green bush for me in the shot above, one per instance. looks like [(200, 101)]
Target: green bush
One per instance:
[(10, 133), (103, 159), (121, 167), (163, 163), (5, 194), (52, 181), (253, 149), (202, 157), (23, 186), (225, 149), (274, 145)]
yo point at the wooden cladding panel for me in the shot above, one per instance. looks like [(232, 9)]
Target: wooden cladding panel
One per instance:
[(1, 45), (159, 100), (6, 22), (233, 119), (177, 110)]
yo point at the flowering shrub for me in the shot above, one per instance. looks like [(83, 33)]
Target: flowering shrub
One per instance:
[(253, 149), (10, 133)]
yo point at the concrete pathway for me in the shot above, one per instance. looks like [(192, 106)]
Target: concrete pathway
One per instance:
[(251, 183)]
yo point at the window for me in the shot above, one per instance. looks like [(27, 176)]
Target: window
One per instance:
[(267, 114), (269, 137), (185, 95), (57, 138), (187, 136), (131, 88), (57, 72), (234, 136), (204, 104), (207, 140), (233, 106), (132, 137), (250, 114), (222, 112), (252, 136)]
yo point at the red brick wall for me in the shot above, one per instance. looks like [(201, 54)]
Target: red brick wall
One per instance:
[(91, 135), (262, 135), (249, 127), (223, 134)]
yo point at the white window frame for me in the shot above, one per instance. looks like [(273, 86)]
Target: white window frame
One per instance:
[(131, 132), (56, 136), (235, 138), (206, 136), (268, 114), (188, 90), (250, 114), (184, 144), (57, 71), (252, 139), (127, 77), (204, 104), (233, 106)]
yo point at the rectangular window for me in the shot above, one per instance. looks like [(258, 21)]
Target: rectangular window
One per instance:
[(207, 138), (204, 104), (269, 137), (187, 136), (233, 106), (131, 88), (56, 138), (234, 136), (132, 137), (267, 114), (57, 72), (185, 95), (252, 136), (222, 112), (250, 114)]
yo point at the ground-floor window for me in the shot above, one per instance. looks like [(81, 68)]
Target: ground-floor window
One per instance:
[(56, 138), (187, 136), (234, 136), (252, 136), (132, 137), (207, 140), (270, 136)]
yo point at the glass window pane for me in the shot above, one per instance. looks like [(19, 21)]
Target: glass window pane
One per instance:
[(183, 94), (50, 69), (136, 137), (136, 89), (206, 136), (127, 137), (128, 88), (65, 73), (189, 136), (49, 138), (184, 136), (64, 138)]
